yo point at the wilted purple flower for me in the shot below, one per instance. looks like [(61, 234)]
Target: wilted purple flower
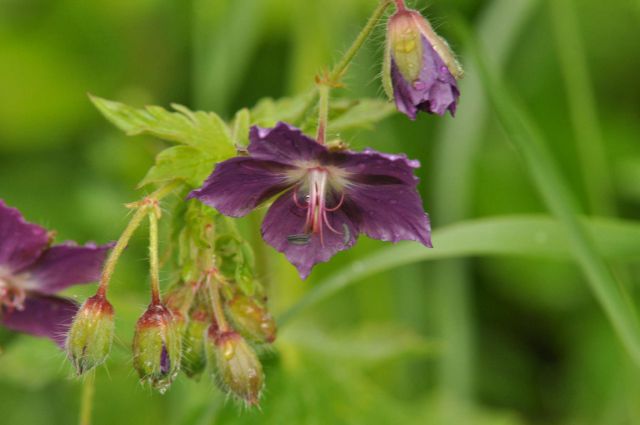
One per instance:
[(420, 71), (327, 197), (32, 271)]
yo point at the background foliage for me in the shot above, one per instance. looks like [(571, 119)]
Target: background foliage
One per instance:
[(509, 335)]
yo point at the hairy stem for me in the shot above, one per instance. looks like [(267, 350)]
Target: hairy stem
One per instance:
[(341, 67), (323, 113), (338, 71), (400, 5), (216, 304), (153, 256), (86, 399), (123, 240)]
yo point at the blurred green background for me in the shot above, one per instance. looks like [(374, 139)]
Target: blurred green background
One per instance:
[(485, 340)]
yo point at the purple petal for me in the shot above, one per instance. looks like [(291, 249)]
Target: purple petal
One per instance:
[(383, 197), (43, 316), (391, 212), (283, 143), (64, 265), (435, 91), (240, 184), (285, 220), (371, 166), (20, 242)]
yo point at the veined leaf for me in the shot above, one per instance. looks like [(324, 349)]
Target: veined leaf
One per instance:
[(204, 136), (202, 130), (181, 162)]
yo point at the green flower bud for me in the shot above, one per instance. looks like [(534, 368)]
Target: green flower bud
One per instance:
[(252, 319), (91, 334), (194, 358), (238, 370), (156, 347)]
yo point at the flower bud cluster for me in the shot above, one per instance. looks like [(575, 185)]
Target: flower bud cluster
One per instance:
[(214, 316)]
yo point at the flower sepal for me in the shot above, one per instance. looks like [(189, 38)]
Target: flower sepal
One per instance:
[(157, 347), (91, 334), (237, 367)]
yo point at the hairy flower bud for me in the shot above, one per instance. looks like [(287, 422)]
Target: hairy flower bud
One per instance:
[(91, 334), (194, 358), (238, 369), (252, 319), (420, 71), (156, 347)]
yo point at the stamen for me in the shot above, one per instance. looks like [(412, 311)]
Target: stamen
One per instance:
[(295, 200), (315, 206), (337, 206)]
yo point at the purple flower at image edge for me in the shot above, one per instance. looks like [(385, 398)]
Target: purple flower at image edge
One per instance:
[(32, 272), (326, 198)]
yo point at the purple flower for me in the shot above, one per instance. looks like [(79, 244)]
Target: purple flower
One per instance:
[(327, 198), (32, 271), (420, 70)]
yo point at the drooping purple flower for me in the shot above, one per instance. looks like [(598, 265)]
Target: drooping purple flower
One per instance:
[(420, 70), (32, 271), (327, 198)]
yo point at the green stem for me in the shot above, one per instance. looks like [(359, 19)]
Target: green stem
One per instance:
[(561, 202), (582, 107), (323, 113), (338, 71), (400, 5), (153, 255), (123, 240), (86, 400), (216, 303)]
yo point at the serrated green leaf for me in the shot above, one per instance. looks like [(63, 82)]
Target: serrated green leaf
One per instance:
[(202, 130), (205, 138), (183, 163)]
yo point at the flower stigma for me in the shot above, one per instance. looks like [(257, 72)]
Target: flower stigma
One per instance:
[(318, 183)]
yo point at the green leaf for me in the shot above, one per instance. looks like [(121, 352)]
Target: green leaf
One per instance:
[(202, 130), (181, 162), (204, 136), (241, 125), (526, 236), (361, 113)]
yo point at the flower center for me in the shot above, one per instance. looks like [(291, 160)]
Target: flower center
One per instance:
[(318, 189), (12, 297)]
